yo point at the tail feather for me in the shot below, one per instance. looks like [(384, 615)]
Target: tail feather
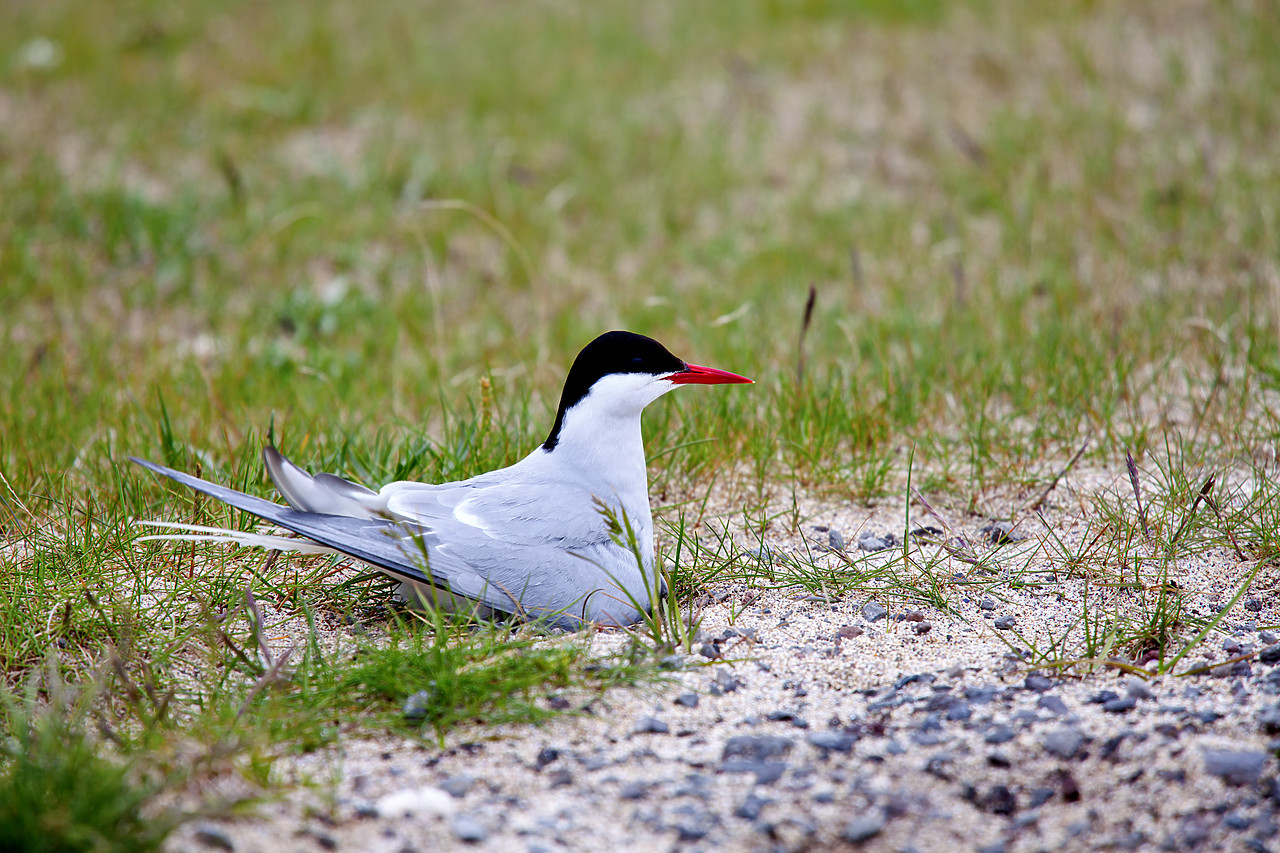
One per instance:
[(201, 533), (323, 493)]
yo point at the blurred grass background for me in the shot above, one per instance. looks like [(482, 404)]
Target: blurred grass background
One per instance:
[(1024, 222)]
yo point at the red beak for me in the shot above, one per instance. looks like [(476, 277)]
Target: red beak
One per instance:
[(695, 375)]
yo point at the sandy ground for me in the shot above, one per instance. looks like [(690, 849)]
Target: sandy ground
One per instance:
[(825, 725)]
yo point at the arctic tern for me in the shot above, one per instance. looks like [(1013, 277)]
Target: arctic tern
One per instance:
[(531, 541)]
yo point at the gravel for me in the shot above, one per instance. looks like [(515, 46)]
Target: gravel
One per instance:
[(827, 725)]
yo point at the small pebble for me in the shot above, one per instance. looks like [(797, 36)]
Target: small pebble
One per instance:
[(987, 604), (832, 741), (749, 808), (457, 786), (1037, 682), (688, 699), (1063, 743), (873, 611), (416, 706), (1004, 623), (651, 725), (214, 836), (998, 735), (1237, 768), (863, 828), (468, 829), (923, 627), (835, 540)]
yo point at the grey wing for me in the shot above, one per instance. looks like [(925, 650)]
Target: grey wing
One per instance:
[(544, 545), (390, 545)]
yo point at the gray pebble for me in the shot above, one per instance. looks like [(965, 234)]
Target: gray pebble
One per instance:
[(688, 699), (767, 772), (633, 791), (457, 786), (1040, 796), (873, 611), (1000, 533), (1138, 689), (1237, 768), (724, 682), (710, 651), (868, 541), (415, 707), (749, 808), (1271, 654), (835, 540), (987, 603), (214, 836), (467, 828), (651, 725), (923, 627), (756, 747), (1037, 682), (832, 741), (863, 828), (1268, 638), (1268, 719), (1053, 705), (1120, 704), (1003, 623), (1063, 743), (999, 734)]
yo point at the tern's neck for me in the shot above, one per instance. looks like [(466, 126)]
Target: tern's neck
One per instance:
[(606, 448)]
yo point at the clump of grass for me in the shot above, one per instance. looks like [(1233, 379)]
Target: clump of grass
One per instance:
[(442, 670), (61, 793)]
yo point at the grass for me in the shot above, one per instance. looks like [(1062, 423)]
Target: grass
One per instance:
[(377, 237)]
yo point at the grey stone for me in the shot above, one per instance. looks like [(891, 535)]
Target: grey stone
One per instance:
[(868, 541), (214, 836), (756, 747), (1120, 704), (688, 699), (468, 829), (987, 603), (874, 611), (1138, 689), (1063, 743), (416, 706), (1038, 682), (1236, 768), (832, 741), (835, 540), (651, 725), (998, 735), (1269, 719), (1271, 654), (633, 791), (458, 785), (767, 772), (1053, 705), (1004, 623), (749, 808), (863, 828)]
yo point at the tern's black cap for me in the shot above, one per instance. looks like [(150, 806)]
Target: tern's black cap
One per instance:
[(612, 352)]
